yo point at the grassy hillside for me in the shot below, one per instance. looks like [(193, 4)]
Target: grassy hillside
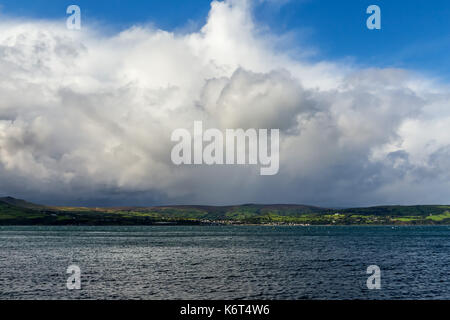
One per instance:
[(19, 212)]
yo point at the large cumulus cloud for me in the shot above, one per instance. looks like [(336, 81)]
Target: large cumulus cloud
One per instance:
[(86, 118)]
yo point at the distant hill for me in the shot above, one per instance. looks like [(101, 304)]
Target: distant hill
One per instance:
[(19, 203), (20, 212)]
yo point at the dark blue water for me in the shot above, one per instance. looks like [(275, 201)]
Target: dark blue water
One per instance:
[(182, 262)]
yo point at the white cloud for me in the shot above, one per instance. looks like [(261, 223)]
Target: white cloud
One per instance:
[(87, 118)]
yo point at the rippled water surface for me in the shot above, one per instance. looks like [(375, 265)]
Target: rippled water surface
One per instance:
[(215, 262)]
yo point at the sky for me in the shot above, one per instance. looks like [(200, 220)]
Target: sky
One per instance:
[(86, 115), (415, 34)]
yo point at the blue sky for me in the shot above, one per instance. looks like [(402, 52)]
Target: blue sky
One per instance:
[(415, 34)]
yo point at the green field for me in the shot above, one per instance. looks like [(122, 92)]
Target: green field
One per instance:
[(20, 212)]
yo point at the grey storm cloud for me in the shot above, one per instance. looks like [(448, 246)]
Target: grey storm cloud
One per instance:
[(86, 118)]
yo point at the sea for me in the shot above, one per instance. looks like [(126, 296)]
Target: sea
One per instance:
[(225, 262)]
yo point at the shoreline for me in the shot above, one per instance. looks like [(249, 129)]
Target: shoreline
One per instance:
[(222, 225)]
